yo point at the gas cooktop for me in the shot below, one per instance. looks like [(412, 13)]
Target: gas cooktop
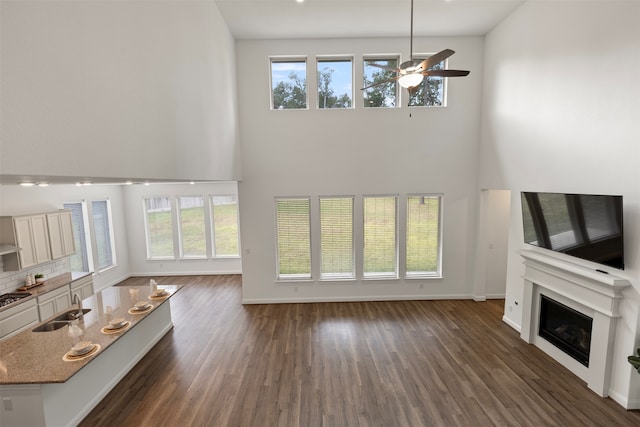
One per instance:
[(6, 299)]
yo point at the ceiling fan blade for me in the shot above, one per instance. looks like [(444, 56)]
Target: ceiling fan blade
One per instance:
[(380, 82), (384, 67), (436, 59), (445, 73)]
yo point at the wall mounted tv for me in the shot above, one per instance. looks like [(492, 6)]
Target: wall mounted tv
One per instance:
[(581, 225)]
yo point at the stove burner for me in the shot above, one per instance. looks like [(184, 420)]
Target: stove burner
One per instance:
[(6, 299)]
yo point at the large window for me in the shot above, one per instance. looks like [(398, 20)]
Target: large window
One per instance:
[(380, 237), (336, 238), (224, 217), (293, 235), (430, 92), (382, 90), (105, 248), (159, 226), (423, 235), (82, 259), (335, 83), (193, 241), (288, 84)]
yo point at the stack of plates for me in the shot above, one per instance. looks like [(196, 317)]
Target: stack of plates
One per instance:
[(117, 323), (141, 306), (81, 348)]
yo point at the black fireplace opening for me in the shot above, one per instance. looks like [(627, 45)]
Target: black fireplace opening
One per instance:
[(566, 328)]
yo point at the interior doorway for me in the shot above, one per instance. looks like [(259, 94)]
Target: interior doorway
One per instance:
[(493, 237)]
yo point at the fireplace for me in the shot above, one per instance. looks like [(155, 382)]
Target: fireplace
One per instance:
[(566, 328), (588, 298)]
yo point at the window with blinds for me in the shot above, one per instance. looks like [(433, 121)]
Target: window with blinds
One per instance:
[(101, 213), (159, 225), (193, 241), (380, 252), (224, 217), (81, 260), (336, 238), (293, 238), (423, 235)]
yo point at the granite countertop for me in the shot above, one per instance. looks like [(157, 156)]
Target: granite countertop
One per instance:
[(49, 285), (36, 357)]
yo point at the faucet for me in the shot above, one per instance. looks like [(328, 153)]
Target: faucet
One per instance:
[(76, 300)]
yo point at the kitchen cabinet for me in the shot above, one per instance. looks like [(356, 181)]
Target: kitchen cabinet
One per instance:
[(19, 318), (54, 302), (30, 235), (83, 287), (60, 227)]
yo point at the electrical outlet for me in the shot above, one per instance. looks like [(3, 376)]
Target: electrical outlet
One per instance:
[(7, 403)]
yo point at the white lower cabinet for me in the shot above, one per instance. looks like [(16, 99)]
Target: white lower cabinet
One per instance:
[(18, 318), (83, 287), (54, 302)]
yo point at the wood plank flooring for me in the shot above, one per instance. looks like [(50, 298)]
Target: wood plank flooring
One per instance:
[(406, 363)]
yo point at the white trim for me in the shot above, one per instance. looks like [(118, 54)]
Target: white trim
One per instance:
[(363, 298)]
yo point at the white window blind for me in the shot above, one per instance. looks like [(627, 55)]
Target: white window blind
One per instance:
[(380, 237), (81, 260), (159, 227), (101, 212), (193, 240), (336, 238), (224, 216), (423, 235), (293, 238)]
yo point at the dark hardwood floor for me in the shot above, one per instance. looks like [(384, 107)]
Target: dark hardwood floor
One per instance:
[(406, 363)]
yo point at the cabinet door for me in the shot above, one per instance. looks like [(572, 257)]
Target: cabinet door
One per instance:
[(56, 241), (63, 302), (40, 238), (24, 241), (66, 223), (47, 309)]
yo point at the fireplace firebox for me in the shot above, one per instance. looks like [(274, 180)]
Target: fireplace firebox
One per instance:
[(566, 328)]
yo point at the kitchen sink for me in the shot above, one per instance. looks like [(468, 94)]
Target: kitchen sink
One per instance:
[(60, 321)]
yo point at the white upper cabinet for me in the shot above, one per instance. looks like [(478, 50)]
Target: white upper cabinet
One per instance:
[(60, 234), (38, 239)]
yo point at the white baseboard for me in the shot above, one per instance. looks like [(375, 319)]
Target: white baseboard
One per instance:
[(511, 323), (184, 273), (352, 299)]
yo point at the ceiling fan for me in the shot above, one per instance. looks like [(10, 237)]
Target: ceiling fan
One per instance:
[(411, 73)]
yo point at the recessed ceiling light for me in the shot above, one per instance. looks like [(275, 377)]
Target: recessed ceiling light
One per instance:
[(27, 184), (128, 183), (43, 184), (300, 1)]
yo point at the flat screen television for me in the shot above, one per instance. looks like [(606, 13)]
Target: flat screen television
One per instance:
[(585, 226)]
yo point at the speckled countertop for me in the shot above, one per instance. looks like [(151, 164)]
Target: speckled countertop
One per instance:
[(48, 286), (36, 357)]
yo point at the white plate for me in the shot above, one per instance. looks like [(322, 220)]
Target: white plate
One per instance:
[(160, 293)]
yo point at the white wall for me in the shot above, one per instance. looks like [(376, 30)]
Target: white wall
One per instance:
[(140, 265), (355, 152), (18, 200), (124, 89), (561, 104)]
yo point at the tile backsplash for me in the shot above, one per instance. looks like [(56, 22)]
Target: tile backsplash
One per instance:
[(10, 280)]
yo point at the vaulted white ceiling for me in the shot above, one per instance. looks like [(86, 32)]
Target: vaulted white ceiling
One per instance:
[(285, 19)]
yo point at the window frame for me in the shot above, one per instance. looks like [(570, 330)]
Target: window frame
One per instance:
[(213, 239), (445, 80), (374, 58), (110, 235), (294, 277), (147, 233), (412, 275), (335, 58), (289, 59), (181, 234)]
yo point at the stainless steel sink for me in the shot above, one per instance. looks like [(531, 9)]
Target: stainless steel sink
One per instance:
[(60, 321)]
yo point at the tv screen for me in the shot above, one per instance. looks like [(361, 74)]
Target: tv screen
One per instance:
[(581, 225)]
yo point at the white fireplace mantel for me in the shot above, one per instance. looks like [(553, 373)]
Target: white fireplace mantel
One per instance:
[(589, 291)]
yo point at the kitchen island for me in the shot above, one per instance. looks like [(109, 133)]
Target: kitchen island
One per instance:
[(41, 386)]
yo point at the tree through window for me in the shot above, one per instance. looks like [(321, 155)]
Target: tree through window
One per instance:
[(335, 83), (289, 84), (384, 94)]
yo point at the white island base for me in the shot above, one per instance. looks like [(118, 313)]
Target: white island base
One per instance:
[(68, 403)]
